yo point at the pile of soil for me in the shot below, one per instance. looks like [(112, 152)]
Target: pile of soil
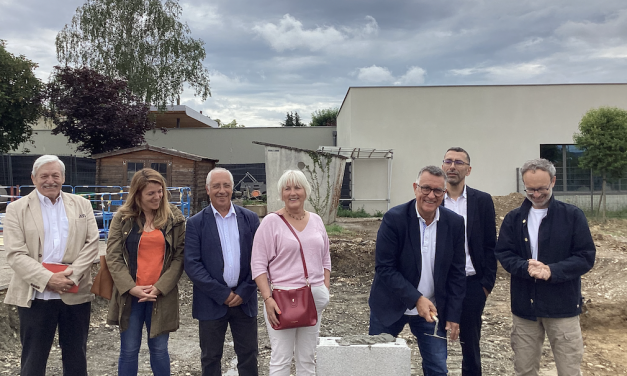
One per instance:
[(604, 320)]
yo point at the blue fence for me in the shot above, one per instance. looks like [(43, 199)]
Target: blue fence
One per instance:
[(106, 200)]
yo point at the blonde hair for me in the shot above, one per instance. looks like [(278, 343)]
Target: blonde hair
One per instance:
[(295, 177), (132, 206)]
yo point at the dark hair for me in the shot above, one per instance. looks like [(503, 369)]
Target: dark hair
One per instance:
[(459, 150)]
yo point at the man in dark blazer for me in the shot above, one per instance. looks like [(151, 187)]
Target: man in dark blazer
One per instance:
[(419, 271), (477, 208), (218, 244)]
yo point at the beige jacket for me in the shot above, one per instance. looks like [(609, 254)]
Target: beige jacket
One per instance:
[(24, 239)]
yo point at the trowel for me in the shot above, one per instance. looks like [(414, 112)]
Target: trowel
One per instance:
[(435, 330)]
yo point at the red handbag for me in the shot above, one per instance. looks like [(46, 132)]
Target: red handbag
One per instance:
[(297, 306)]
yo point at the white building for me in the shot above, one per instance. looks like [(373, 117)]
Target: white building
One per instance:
[(501, 127)]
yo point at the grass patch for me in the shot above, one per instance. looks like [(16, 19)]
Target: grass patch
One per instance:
[(335, 229), (347, 213), (621, 214)]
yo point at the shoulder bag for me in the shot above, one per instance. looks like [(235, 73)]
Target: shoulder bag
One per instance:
[(297, 306), (103, 283)]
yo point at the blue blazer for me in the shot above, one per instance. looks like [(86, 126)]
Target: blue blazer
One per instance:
[(398, 265), (481, 233), (204, 264)]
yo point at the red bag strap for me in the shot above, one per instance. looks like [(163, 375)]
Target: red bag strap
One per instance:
[(302, 254)]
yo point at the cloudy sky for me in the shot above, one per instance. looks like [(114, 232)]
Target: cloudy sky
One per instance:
[(269, 57)]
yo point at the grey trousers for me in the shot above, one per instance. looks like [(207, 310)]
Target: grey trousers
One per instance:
[(564, 336)]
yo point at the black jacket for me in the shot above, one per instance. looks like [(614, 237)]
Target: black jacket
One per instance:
[(481, 234), (398, 265), (564, 244)]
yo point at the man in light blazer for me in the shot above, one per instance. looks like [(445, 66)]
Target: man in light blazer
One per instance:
[(51, 227), (419, 271), (477, 208), (218, 245)]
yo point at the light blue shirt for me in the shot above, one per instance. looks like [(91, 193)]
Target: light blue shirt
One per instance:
[(428, 237), (229, 239)]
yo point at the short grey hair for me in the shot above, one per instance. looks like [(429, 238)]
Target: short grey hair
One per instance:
[(295, 177), (433, 170), (218, 169), (538, 164), (45, 159)]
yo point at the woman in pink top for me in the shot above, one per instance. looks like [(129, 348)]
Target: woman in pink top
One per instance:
[(276, 248)]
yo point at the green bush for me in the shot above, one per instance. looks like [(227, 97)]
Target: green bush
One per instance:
[(335, 229), (347, 213)]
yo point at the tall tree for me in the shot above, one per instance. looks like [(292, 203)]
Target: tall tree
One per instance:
[(292, 120), (140, 41), (232, 124), (20, 99), (325, 117), (97, 112), (603, 138)]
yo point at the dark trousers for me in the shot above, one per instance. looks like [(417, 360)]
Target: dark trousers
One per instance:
[(38, 325), (244, 331), (470, 327)]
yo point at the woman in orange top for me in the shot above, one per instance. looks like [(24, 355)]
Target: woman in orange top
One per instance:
[(145, 258)]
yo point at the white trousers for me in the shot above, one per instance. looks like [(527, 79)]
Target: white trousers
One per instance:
[(298, 342)]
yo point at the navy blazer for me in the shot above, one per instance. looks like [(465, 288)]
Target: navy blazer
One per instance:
[(398, 265), (204, 264), (481, 233)]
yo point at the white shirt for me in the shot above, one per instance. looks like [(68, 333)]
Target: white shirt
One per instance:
[(229, 239), (460, 206), (428, 235), (56, 228), (533, 227)]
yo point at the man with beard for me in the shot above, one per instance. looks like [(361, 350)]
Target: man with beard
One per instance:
[(477, 209), (546, 246), (51, 239), (218, 245)]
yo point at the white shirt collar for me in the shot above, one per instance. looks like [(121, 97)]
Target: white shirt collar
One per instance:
[(231, 211), (446, 196), (44, 200)]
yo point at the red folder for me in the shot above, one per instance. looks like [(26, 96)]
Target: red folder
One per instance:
[(56, 268)]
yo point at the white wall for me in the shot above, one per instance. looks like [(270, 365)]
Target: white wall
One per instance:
[(501, 127)]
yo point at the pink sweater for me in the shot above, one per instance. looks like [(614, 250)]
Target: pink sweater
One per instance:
[(274, 241)]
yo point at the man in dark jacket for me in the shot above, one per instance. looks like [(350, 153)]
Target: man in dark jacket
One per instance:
[(477, 208), (546, 246), (419, 271), (218, 246)]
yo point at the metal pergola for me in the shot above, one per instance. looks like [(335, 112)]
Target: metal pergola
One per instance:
[(364, 153)]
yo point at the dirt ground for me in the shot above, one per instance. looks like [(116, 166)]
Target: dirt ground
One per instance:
[(604, 320)]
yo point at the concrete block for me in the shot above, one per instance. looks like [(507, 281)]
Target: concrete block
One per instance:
[(381, 359)]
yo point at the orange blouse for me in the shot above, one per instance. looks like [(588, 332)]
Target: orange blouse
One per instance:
[(150, 255)]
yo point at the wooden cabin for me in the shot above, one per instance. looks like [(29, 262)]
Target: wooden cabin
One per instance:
[(180, 169)]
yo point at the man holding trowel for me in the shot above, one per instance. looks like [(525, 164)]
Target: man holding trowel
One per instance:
[(420, 271)]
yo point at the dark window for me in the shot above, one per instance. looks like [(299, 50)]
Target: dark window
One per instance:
[(161, 168), (131, 169)]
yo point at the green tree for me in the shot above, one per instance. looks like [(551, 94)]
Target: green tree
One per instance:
[(293, 120), (325, 117), (603, 138), (232, 124), (20, 99), (140, 41), (96, 112)]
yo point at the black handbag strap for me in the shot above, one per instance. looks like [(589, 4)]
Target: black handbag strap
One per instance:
[(302, 254)]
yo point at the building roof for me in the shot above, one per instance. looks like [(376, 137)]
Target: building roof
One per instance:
[(158, 149), (299, 149), (189, 118)]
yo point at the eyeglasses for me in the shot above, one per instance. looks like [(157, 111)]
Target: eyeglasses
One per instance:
[(457, 162), (437, 192), (543, 190)]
